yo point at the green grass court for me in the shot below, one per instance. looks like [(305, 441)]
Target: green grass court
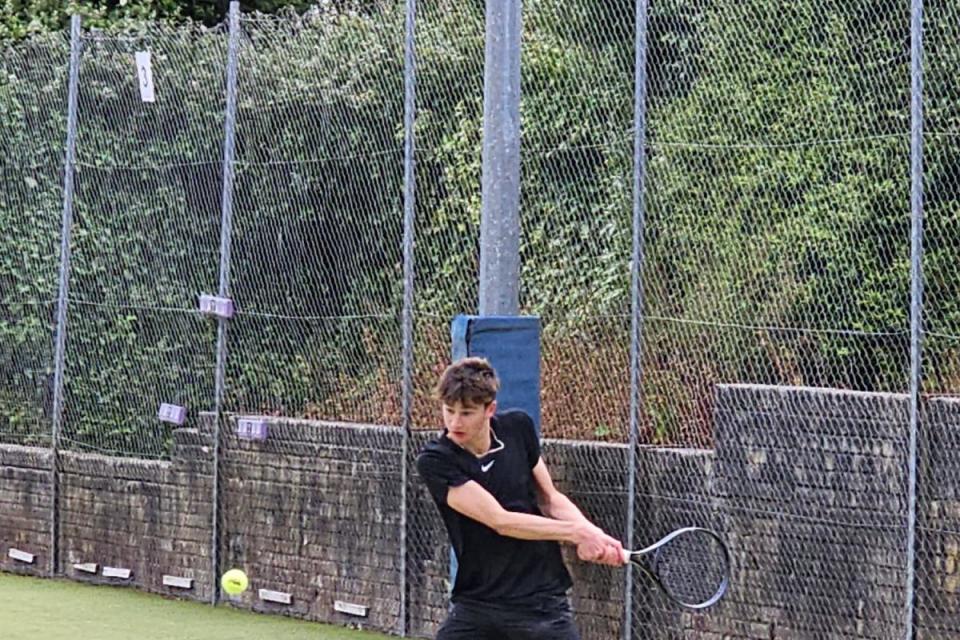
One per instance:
[(34, 608)]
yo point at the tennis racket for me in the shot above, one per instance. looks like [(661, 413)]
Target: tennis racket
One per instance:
[(691, 565)]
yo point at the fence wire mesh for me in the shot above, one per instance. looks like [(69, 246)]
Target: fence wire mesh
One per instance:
[(778, 198), (775, 318), (777, 252), (32, 134), (316, 274), (938, 534), (576, 168), (449, 39), (577, 68), (145, 238), (449, 46), (317, 236)]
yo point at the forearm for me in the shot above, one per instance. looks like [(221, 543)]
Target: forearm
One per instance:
[(476, 503), (599, 547), (530, 527)]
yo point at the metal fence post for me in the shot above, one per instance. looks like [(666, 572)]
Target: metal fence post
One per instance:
[(636, 286), (916, 294), (500, 197), (69, 163), (226, 226), (409, 201)]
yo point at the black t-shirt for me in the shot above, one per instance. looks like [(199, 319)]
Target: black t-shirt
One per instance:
[(493, 568)]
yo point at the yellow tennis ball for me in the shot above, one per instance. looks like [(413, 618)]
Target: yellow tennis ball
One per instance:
[(234, 582)]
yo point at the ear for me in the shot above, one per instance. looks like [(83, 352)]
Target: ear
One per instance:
[(490, 410)]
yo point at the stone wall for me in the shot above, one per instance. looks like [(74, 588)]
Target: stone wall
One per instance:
[(314, 512), (812, 485), (808, 486), (938, 534), (25, 503), (153, 518)]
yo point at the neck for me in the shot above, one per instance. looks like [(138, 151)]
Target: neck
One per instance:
[(481, 444)]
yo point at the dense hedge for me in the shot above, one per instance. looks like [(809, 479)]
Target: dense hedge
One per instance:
[(777, 210)]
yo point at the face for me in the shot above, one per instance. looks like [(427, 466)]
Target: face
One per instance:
[(467, 424)]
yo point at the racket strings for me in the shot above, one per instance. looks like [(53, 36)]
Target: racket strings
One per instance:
[(692, 567)]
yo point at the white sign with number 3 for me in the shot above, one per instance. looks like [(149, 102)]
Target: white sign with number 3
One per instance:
[(145, 76)]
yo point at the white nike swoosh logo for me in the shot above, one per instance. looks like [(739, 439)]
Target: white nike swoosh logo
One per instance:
[(486, 467)]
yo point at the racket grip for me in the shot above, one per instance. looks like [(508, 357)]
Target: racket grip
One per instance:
[(626, 556)]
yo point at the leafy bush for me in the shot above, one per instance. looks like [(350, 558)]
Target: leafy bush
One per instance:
[(776, 245)]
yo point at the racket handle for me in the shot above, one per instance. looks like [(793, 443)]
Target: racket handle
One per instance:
[(626, 557)]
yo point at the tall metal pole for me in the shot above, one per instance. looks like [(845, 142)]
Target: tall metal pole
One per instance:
[(636, 286), (500, 197), (916, 294), (69, 162), (409, 211), (226, 229)]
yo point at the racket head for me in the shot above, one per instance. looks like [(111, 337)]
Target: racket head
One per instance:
[(691, 565)]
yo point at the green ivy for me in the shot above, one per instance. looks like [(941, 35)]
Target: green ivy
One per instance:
[(776, 244)]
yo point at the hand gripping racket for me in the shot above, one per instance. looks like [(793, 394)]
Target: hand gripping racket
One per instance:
[(691, 565)]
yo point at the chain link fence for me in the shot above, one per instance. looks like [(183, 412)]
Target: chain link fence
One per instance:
[(774, 272), (32, 81), (449, 39), (317, 236), (938, 526), (145, 237), (777, 252)]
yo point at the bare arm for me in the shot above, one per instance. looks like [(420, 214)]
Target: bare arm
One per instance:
[(476, 503), (602, 548)]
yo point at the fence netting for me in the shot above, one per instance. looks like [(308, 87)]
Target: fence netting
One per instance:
[(777, 252), (449, 39), (145, 237), (32, 132), (317, 237), (449, 45), (316, 277), (775, 309), (577, 70), (938, 530)]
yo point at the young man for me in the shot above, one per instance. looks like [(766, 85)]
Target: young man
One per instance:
[(504, 517)]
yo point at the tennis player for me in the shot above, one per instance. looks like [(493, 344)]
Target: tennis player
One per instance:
[(504, 517)]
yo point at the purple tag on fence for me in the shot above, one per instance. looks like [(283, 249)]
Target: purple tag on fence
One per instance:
[(215, 306), (172, 413), (250, 429)]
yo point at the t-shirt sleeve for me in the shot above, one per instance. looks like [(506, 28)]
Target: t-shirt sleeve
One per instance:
[(439, 473), (530, 439)]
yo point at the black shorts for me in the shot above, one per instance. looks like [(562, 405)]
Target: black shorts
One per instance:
[(550, 620)]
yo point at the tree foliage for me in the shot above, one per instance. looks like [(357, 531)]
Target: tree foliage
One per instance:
[(20, 18), (777, 200)]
